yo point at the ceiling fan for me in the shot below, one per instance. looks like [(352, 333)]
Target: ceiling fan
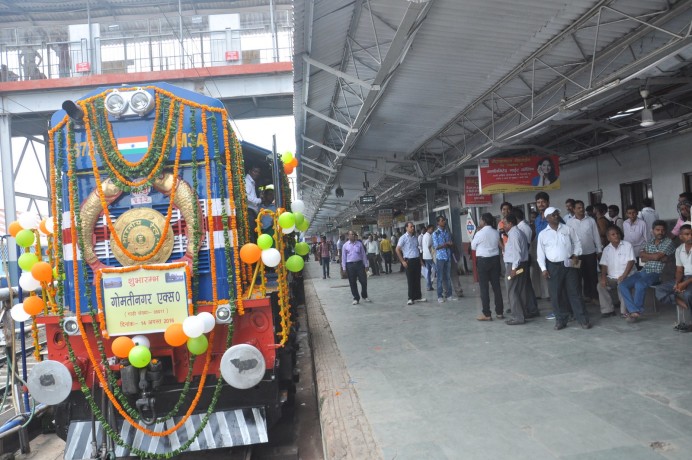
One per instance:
[(647, 113)]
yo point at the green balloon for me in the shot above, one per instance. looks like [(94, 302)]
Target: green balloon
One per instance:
[(27, 260), (304, 226), (265, 241), (139, 356), (295, 263), (25, 238), (197, 345), (302, 249), (287, 220), (299, 218), (286, 157)]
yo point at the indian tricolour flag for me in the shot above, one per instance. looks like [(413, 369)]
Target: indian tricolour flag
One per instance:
[(133, 145)]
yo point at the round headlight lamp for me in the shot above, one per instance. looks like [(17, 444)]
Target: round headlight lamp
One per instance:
[(115, 104), (141, 102)]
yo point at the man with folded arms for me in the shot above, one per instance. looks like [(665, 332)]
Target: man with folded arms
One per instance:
[(654, 255), (617, 263), (516, 258), (558, 251)]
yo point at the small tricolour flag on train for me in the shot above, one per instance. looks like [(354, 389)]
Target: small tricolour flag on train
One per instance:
[(133, 145)]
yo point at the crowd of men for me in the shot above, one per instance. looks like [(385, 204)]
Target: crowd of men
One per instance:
[(559, 258), (586, 254)]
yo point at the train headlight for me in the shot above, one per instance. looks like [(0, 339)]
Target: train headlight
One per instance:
[(223, 314), (141, 102), (115, 103), (242, 366), (49, 382), (70, 326)]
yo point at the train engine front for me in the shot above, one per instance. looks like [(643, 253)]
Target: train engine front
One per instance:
[(157, 341)]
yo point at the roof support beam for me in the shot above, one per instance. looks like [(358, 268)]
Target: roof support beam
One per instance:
[(340, 74), (322, 146), (329, 119)]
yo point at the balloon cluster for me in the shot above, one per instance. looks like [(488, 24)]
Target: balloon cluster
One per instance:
[(289, 222), (135, 349), (35, 272), (290, 162), (191, 332)]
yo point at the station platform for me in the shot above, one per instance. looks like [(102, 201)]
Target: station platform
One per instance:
[(428, 381)]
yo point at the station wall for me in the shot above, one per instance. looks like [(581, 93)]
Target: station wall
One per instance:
[(665, 162)]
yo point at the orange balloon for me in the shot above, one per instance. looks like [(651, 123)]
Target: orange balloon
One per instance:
[(42, 271), (15, 228), (288, 169), (34, 305), (42, 227), (294, 162), (174, 335), (250, 253), (121, 346)]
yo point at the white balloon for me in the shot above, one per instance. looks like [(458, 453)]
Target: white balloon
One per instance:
[(286, 231), (50, 225), (28, 220), (141, 340), (28, 282), (18, 314), (297, 206), (193, 326), (271, 257), (208, 320)]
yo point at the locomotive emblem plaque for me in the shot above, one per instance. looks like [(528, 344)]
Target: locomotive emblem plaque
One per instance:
[(140, 230)]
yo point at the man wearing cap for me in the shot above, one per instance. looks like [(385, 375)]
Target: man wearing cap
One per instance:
[(558, 250)]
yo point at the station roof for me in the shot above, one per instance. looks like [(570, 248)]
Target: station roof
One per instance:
[(407, 92)]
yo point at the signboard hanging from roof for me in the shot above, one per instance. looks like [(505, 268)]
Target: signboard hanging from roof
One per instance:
[(519, 174), (472, 196)]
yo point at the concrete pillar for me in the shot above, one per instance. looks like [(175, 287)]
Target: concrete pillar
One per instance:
[(7, 166), (455, 224)]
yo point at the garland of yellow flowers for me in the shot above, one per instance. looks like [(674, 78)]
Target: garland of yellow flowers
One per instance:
[(157, 166), (96, 364), (114, 143), (104, 203), (263, 277), (57, 251), (210, 214), (234, 219), (112, 380), (282, 280), (96, 410)]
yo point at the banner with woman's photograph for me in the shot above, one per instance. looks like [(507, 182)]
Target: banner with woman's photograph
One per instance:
[(519, 174)]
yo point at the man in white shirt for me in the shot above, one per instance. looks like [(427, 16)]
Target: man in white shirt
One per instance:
[(569, 207), (516, 258), (427, 255), (373, 249), (634, 230), (679, 291), (253, 201), (486, 243), (617, 263), (557, 252), (649, 215), (587, 232)]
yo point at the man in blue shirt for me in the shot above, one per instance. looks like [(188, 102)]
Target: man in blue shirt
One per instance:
[(409, 256), (442, 242)]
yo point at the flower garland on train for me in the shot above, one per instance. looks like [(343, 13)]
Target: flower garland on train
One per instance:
[(114, 157), (170, 108)]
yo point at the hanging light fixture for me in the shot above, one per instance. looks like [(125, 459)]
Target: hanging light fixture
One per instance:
[(339, 192), (647, 113)]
